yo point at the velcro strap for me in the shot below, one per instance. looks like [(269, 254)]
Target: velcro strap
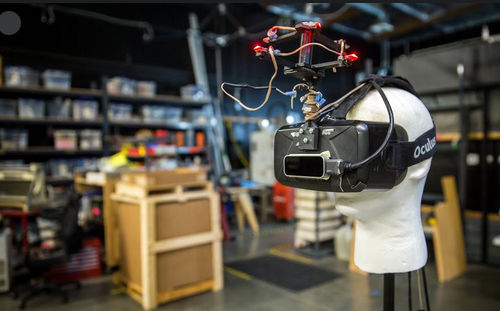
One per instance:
[(402, 155)]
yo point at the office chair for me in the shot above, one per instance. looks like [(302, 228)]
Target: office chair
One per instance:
[(40, 260)]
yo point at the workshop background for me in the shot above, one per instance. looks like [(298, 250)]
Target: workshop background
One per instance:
[(129, 181)]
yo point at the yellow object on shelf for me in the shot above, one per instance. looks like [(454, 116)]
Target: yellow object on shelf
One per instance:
[(431, 221), (118, 159)]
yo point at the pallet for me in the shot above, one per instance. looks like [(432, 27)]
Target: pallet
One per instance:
[(311, 194), (310, 225), (311, 204), (322, 214), (134, 290), (310, 236), (159, 258), (137, 191)]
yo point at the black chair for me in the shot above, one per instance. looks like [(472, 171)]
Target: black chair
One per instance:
[(39, 261)]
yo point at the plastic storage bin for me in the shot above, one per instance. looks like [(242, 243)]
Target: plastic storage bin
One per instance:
[(120, 112), (31, 108), (193, 92), (146, 88), (161, 114), (8, 107), (59, 108), (13, 139), (56, 79), (172, 114), (86, 164), (84, 109), (197, 116), (60, 168), (121, 85), (90, 139), (65, 139), (20, 76)]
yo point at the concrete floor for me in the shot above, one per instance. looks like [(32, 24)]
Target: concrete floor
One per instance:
[(478, 289)]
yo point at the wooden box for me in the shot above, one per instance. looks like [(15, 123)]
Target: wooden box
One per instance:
[(170, 243), (177, 176), (143, 184)]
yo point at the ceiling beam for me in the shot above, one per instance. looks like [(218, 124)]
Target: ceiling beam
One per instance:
[(417, 24), (371, 9), (473, 22), (334, 17), (350, 31), (407, 9), (333, 22)]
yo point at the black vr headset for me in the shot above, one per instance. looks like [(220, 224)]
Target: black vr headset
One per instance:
[(333, 154)]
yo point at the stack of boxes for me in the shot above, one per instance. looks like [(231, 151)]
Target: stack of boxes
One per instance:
[(317, 218)]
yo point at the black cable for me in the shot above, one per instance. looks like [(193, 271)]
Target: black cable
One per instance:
[(387, 136), (145, 26), (410, 308), (250, 86), (425, 290)]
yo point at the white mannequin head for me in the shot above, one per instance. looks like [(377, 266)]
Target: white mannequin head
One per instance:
[(389, 233)]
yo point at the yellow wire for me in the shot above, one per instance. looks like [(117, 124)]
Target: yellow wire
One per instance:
[(269, 88), (282, 28), (306, 45), (293, 90)]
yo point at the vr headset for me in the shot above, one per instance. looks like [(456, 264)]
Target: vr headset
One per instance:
[(333, 154)]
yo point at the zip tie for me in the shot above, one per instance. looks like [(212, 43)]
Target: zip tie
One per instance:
[(291, 93)]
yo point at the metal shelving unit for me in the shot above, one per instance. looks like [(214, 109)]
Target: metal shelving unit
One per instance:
[(49, 151), (41, 91), (168, 100), (484, 138), (166, 125), (53, 121), (102, 121)]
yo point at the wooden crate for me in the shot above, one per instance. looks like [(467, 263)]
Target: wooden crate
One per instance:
[(166, 178), (170, 243)]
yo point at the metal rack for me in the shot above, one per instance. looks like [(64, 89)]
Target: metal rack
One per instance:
[(101, 122)]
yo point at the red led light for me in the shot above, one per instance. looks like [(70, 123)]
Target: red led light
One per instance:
[(257, 48), (352, 57), (318, 24)]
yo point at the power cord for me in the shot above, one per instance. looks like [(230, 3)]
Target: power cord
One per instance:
[(382, 146), (269, 87)]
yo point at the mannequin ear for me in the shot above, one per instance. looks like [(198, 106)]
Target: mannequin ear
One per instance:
[(420, 170)]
